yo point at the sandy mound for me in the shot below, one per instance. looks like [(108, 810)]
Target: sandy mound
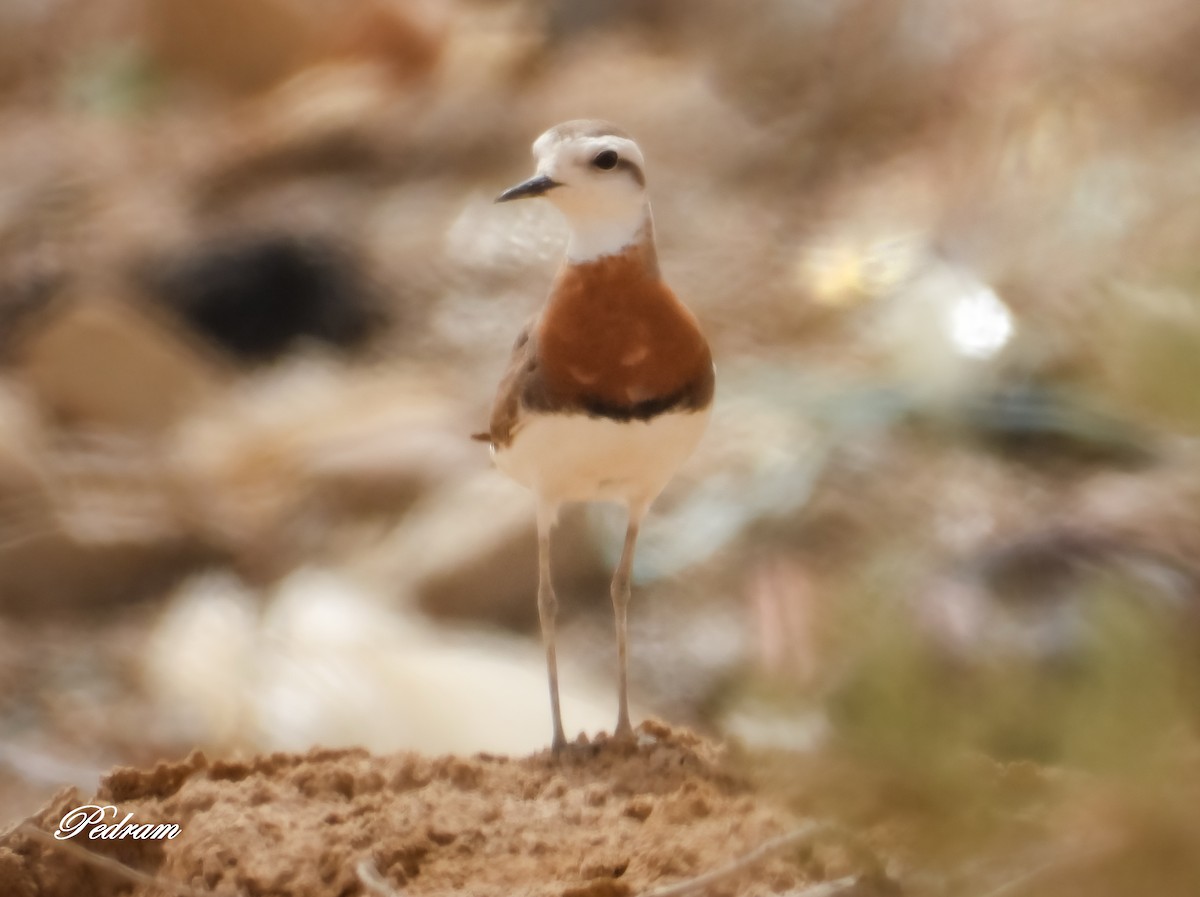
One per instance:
[(601, 820)]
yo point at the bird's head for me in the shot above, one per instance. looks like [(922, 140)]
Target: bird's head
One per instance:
[(593, 173)]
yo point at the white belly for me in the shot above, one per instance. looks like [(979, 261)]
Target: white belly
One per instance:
[(574, 457)]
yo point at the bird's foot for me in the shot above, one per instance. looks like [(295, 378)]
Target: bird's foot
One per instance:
[(624, 734)]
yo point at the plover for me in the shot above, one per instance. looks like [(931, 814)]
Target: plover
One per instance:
[(610, 387)]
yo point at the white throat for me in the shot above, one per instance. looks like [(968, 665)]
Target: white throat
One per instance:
[(594, 236)]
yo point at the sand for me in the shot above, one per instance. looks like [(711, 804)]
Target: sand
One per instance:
[(602, 819)]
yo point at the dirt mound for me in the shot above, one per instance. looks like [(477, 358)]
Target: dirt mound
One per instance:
[(603, 819)]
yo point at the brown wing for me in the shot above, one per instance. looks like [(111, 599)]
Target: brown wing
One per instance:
[(522, 377)]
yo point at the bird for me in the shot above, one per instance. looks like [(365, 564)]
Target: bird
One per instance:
[(610, 386)]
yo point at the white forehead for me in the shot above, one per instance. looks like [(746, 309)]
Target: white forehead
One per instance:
[(555, 147)]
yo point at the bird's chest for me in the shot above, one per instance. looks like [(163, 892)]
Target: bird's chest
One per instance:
[(619, 346), (614, 360)]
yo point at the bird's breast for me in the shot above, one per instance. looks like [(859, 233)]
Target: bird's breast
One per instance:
[(615, 336)]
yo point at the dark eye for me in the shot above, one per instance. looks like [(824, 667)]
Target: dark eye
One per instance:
[(606, 161)]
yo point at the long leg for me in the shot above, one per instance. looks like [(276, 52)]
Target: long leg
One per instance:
[(547, 614), (620, 599)]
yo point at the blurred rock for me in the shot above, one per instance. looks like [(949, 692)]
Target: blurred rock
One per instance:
[(864, 73), (266, 475), (114, 490), (23, 32), (257, 296), (490, 45), (325, 663), (330, 120), (322, 103), (108, 364), (243, 47), (87, 520), (384, 441), (47, 574), (237, 46), (407, 36), (568, 20), (203, 652), (25, 503), (469, 551), (264, 479), (47, 207), (22, 435)]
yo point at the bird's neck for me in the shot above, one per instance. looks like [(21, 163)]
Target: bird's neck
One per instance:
[(594, 238), (628, 279)]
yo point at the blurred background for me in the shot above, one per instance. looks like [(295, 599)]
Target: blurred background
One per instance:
[(939, 554)]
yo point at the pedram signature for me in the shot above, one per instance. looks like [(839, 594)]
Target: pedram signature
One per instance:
[(92, 818)]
